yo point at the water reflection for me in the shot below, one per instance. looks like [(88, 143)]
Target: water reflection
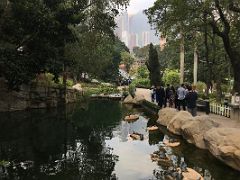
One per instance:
[(90, 143)]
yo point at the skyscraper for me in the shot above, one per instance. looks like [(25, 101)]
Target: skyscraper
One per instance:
[(135, 30)]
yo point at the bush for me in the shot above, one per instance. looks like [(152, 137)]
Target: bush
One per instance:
[(132, 90), (125, 92), (69, 82), (141, 82), (99, 89), (142, 72), (201, 86), (171, 77)]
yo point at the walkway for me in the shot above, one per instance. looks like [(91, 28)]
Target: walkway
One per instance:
[(221, 120)]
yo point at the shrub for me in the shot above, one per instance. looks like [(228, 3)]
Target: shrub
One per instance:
[(171, 77), (69, 82), (141, 82), (132, 90), (201, 86), (142, 72)]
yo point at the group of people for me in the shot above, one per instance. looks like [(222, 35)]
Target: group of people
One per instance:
[(181, 97)]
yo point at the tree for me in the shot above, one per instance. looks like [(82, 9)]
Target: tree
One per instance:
[(127, 59), (221, 17), (171, 77), (35, 34), (153, 66)]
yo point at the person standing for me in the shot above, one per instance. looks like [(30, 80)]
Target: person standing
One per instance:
[(167, 91), (191, 99), (153, 93), (171, 97), (181, 93), (160, 96)]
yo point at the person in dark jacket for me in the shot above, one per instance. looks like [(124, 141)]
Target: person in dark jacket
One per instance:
[(167, 93), (191, 99), (160, 96)]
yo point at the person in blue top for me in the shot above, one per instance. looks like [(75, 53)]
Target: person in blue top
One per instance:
[(181, 93)]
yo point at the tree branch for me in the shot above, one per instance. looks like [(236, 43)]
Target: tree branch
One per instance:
[(232, 7), (223, 18)]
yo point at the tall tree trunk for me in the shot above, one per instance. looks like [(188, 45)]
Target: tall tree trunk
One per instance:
[(234, 57), (195, 66), (182, 59), (209, 77)]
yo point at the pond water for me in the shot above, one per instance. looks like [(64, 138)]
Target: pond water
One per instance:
[(91, 142)]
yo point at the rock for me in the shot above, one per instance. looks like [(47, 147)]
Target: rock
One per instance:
[(178, 121), (137, 136), (152, 128), (136, 100), (131, 118), (194, 130), (78, 87), (129, 100), (166, 115), (191, 174), (171, 144), (224, 144)]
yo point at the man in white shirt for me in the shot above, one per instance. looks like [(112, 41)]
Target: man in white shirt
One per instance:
[(181, 92)]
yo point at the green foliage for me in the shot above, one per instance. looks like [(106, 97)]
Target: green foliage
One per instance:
[(3, 163), (125, 92), (141, 52), (69, 82), (171, 77), (36, 37), (201, 87), (216, 38), (142, 72), (132, 89), (141, 82), (153, 66), (90, 89), (127, 59)]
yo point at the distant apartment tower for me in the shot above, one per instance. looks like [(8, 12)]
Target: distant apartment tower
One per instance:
[(146, 38), (125, 38), (133, 41)]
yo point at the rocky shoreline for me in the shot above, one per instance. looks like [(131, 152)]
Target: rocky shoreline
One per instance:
[(205, 133)]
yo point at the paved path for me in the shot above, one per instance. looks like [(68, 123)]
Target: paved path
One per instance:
[(221, 120)]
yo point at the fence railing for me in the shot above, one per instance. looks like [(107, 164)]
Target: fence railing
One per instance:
[(221, 110)]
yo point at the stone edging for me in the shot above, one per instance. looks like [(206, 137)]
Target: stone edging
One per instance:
[(205, 133)]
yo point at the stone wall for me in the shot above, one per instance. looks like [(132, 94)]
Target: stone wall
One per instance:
[(29, 97)]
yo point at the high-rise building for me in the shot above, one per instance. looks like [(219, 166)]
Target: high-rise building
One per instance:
[(135, 30), (133, 41), (146, 38)]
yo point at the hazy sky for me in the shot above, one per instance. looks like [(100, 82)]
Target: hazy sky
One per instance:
[(139, 5)]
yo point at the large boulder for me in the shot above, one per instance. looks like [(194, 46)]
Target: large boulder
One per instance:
[(165, 116), (194, 130), (139, 99), (136, 100), (129, 100), (224, 144), (176, 123)]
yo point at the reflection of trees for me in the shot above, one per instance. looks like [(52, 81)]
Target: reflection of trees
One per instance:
[(61, 143), (155, 137), (200, 160)]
